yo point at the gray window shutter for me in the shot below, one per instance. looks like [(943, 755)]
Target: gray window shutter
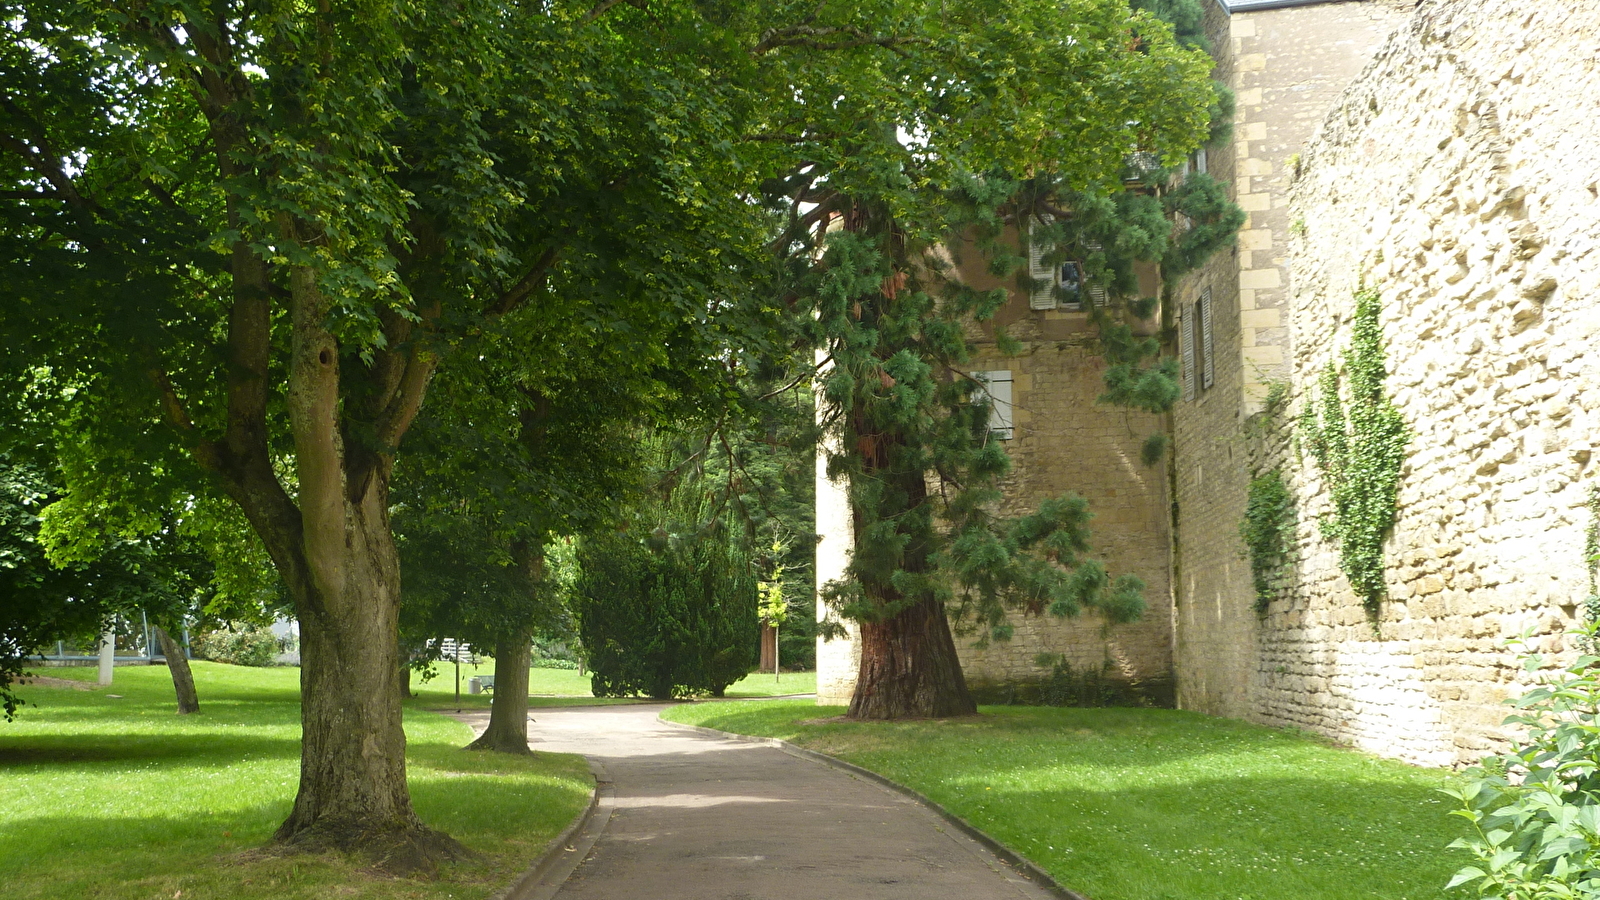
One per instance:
[(998, 384), (1093, 287), (1207, 350), (1186, 349), (1044, 276)]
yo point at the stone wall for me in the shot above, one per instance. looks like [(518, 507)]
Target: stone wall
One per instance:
[(1459, 176), (1287, 67)]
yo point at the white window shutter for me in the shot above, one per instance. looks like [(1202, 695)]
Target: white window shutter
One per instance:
[(1002, 424), (1093, 287), (1043, 295), (1186, 349), (1207, 350)]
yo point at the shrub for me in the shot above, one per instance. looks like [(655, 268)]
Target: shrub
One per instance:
[(239, 645), (666, 619), (1535, 809)]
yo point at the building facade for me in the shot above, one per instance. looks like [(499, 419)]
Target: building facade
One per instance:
[(1441, 154)]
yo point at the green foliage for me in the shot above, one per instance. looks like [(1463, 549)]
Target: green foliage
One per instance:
[(666, 617), (1359, 444), (1535, 809), (1591, 559), (239, 644), (1268, 531), (1213, 221)]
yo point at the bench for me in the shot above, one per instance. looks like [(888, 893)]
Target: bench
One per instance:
[(481, 684)]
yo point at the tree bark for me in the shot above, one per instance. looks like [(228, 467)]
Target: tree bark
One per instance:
[(909, 667), (508, 711), (182, 677), (352, 795)]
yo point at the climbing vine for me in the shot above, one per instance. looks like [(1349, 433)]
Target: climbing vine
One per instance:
[(1267, 529), (1591, 560), (1359, 443)]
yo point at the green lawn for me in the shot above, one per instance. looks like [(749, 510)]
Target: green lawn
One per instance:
[(559, 687), (103, 797), (1137, 804)]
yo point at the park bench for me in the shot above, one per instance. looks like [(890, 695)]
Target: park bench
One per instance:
[(481, 684)]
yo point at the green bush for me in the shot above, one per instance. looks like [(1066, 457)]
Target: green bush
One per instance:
[(670, 618), (1536, 808), (239, 645)]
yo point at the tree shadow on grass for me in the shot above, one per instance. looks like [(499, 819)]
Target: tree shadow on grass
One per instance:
[(215, 747)]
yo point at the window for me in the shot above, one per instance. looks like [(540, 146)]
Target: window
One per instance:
[(1071, 278), (998, 386), (1186, 349), (1196, 349)]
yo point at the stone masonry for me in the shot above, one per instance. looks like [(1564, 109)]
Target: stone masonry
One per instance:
[(1456, 173), (1287, 67)]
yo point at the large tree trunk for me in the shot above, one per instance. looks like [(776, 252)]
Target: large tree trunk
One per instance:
[(345, 581), (182, 677), (909, 667), (508, 711)]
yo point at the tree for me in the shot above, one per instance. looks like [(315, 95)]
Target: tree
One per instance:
[(242, 236), (66, 590), (670, 615), (893, 316)]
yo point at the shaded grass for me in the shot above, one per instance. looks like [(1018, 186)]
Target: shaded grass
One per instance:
[(121, 798), (1145, 804)]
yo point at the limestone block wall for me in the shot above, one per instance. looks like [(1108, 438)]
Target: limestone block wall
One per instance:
[(1287, 67), (1065, 442), (1460, 177)]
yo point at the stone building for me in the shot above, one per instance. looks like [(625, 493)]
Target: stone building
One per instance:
[(1442, 153)]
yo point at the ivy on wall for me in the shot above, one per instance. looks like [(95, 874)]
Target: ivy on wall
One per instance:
[(1268, 529), (1591, 561), (1359, 443)]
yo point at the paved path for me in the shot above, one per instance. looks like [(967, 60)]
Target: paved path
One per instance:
[(697, 817)]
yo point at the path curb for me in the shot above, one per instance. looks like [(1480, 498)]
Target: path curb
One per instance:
[(556, 852), (1010, 857)]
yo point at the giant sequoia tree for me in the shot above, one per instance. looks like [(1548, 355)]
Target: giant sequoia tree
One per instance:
[(967, 165)]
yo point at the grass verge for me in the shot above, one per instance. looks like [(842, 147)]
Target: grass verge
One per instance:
[(559, 687), (117, 797), (1139, 804)]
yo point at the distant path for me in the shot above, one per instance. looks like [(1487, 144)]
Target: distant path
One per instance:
[(697, 817)]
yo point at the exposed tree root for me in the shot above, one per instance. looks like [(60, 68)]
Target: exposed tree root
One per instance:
[(397, 849)]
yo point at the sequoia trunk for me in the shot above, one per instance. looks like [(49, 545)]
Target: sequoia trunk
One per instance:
[(508, 711), (182, 677), (909, 667)]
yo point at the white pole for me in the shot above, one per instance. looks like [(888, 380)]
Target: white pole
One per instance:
[(776, 665), (108, 653)]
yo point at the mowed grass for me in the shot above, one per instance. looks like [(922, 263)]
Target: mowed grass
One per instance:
[(565, 687), (103, 797), (1135, 804)]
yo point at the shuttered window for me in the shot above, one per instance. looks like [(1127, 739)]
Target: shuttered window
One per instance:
[(1208, 355), (998, 384), (1186, 353)]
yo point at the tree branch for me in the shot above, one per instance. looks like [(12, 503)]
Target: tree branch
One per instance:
[(601, 8), (525, 286), (813, 37)]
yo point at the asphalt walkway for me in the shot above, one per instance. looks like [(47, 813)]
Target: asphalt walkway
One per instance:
[(689, 816)]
